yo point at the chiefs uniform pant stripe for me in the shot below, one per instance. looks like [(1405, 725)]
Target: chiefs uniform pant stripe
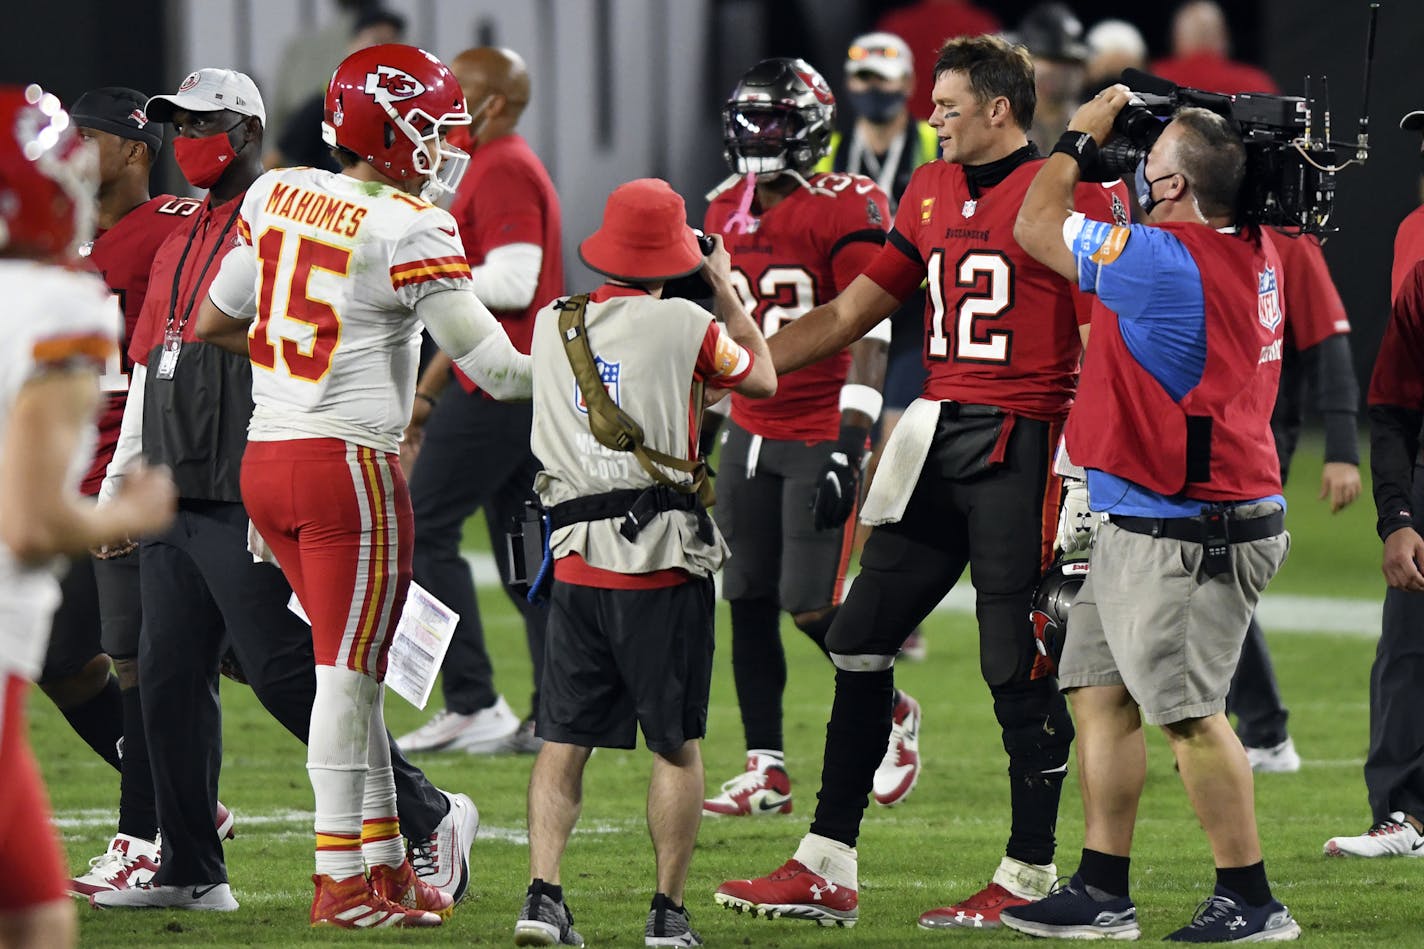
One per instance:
[(376, 540), (393, 593), (1052, 502), (361, 581)]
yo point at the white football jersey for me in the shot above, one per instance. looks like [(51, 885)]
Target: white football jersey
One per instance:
[(336, 270), (53, 318)]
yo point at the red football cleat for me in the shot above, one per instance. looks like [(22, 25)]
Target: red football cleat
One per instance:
[(980, 911), (402, 887), (352, 904), (794, 892)]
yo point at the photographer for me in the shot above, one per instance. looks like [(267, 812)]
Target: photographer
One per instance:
[(1172, 423), (631, 608)]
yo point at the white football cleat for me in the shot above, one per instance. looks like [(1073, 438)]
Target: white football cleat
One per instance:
[(212, 897), (761, 790), (900, 768), (1395, 837), (481, 732), (129, 862), (443, 859), (1277, 759)]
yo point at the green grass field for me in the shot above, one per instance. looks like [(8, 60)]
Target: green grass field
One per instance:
[(942, 844)]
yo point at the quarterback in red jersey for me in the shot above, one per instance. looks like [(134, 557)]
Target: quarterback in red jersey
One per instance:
[(966, 480), (790, 465)]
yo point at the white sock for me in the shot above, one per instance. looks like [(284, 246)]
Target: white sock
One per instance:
[(336, 763), (829, 858), (1027, 881), (381, 840)]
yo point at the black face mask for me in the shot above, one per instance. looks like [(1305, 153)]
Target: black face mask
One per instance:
[(877, 105)]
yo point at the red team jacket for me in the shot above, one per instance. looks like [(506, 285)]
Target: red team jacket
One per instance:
[(1314, 311), (801, 253), (1127, 425), (122, 255), (1000, 328)]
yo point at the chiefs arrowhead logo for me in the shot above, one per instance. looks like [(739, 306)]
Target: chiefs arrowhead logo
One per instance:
[(389, 84)]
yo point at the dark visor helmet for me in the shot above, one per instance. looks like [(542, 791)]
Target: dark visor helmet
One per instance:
[(779, 118)]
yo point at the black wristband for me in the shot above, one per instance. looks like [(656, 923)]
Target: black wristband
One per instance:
[(1078, 146)]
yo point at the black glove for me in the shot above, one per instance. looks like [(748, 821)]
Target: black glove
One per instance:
[(838, 484)]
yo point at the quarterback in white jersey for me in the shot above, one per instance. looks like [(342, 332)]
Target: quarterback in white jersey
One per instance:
[(328, 298), (61, 326)]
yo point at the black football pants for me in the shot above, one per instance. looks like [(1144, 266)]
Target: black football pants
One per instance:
[(200, 588)]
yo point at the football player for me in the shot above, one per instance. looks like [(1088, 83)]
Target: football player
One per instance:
[(966, 480), (62, 332), (339, 271), (791, 464)]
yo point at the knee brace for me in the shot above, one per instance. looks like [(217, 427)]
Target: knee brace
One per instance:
[(1037, 729)]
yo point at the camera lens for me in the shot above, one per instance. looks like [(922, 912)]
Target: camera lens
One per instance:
[(1138, 125)]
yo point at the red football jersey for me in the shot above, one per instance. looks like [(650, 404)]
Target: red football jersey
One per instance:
[(122, 255), (802, 252), (1000, 327), (1396, 379), (1408, 249), (1314, 311)]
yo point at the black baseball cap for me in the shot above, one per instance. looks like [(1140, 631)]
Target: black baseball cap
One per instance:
[(118, 111), (1413, 121)]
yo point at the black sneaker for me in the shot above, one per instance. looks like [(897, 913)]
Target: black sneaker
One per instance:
[(668, 925), (1226, 917), (545, 921), (1070, 912)]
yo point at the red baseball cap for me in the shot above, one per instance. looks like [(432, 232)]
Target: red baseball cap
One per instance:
[(644, 237)]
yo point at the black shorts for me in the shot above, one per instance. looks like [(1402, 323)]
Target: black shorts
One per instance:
[(764, 511), (619, 659), (74, 633)]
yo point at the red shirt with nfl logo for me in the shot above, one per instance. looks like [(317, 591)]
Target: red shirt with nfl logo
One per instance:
[(122, 255), (800, 253), (1000, 328)]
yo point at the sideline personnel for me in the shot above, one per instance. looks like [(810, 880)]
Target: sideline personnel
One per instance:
[(631, 611), (1172, 424)]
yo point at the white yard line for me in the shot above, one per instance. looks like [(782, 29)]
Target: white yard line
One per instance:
[(1278, 612)]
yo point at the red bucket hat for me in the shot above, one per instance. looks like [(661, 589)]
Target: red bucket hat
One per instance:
[(644, 236)]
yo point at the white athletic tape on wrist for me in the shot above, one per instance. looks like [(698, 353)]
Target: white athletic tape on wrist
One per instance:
[(861, 398)]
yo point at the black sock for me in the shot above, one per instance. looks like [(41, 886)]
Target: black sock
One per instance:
[(138, 814), (759, 671), (553, 891), (1103, 871), (1249, 883), (100, 721), (665, 901), (817, 629), (855, 744)]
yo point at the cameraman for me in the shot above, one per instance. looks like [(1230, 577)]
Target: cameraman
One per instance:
[(631, 609), (1172, 423)]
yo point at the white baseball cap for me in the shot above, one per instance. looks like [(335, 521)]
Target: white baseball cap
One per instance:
[(884, 54), (210, 90)]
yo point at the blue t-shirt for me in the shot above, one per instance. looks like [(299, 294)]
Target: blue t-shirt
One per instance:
[(1151, 281)]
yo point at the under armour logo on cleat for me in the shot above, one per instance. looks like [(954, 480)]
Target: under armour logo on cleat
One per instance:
[(1236, 923), (816, 890)]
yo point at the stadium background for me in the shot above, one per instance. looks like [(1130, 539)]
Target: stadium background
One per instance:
[(625, 88)]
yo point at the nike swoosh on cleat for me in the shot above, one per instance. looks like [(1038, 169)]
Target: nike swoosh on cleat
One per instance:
[(200, 892), (774, 805), (1418, 844)]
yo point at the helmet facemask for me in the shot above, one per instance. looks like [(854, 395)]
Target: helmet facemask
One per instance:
[(46, 139), (766, 139), (440, 163)]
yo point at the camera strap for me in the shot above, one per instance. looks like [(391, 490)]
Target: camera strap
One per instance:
[(609, 424)]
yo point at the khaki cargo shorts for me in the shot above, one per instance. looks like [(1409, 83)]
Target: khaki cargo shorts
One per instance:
[(1148, 619)]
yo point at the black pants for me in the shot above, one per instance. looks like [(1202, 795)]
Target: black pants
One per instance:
[(200, 588), (1394, 769), (997, 524), (1255, 696), (475, 455)]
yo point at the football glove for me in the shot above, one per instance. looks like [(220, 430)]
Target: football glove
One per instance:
[(1076, 523), (838, 484)]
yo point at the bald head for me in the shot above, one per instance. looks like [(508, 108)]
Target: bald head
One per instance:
[(499, 75), (1200, 27)]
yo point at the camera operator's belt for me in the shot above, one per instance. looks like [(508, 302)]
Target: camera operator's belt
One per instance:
[(636, 506), (1193, 530), (609, 424)]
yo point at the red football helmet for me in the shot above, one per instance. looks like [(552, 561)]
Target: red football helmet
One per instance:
[(48, 176), (389, 105)]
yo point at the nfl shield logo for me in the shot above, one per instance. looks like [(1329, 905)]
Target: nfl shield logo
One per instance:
[(1268, 299), (608, 372)]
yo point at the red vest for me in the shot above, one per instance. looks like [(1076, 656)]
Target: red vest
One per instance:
[(1215, 444)]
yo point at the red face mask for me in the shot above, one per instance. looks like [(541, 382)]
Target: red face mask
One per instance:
[(204, 161)]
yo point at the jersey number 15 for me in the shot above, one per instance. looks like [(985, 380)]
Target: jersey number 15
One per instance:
[(308, 358)]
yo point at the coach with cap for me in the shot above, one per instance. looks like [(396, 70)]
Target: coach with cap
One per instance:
[(630, 619)]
